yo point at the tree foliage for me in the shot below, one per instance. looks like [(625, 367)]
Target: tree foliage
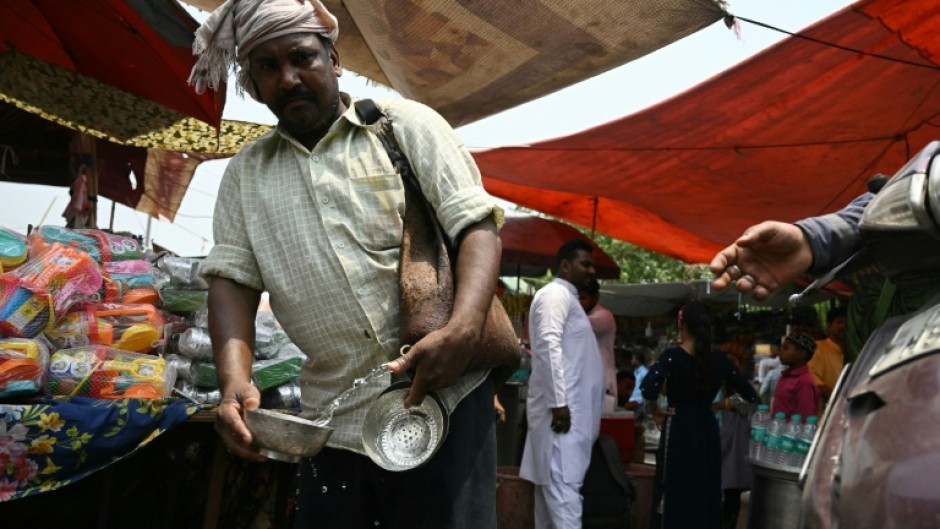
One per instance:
[(639, 265)]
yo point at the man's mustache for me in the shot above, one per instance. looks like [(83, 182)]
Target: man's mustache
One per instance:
[(297, 94)]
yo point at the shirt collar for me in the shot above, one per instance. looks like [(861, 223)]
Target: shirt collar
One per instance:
[(795, 371), (567, 284), (349, 115)]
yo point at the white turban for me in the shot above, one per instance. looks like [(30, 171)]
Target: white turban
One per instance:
[(226, 38)]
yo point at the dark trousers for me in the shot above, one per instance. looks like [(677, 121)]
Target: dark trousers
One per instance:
[(456, 489)]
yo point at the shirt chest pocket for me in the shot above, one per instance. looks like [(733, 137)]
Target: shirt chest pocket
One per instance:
[(377, 202)]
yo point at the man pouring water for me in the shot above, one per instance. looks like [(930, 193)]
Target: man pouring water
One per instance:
[(312, 213)]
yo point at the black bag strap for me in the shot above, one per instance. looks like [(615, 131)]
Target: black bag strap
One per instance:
[(370, 114), (368, 111)]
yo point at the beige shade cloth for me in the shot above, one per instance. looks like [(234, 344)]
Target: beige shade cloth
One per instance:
[(469, 59)]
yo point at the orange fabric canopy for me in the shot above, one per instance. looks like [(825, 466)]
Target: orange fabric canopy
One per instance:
[(793, 132)]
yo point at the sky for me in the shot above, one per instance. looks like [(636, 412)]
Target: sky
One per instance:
[(619, 92)]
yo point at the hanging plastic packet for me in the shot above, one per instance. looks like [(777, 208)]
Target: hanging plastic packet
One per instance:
[(182, 271), (194, 343), (200, 318), (181, 288), (107, 373), (269, 337), (194, 394), (275, 372), (47, 285), (23, 364), (129, 282), (101, 246), (13, 250), (132, 327), (286, 396), (182, 365)]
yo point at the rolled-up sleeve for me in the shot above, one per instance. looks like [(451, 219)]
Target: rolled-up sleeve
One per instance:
[(231, 257), (448, 175)]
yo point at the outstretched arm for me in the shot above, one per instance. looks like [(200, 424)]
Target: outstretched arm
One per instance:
[(771, 254)]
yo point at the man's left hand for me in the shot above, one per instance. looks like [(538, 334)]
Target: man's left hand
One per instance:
[(441, 357), (561, 419), (437, 361)]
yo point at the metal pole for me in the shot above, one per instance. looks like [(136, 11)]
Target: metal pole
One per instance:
[(147, 235), (594, 218)]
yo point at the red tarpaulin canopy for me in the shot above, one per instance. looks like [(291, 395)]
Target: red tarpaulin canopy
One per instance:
[(795, 131), (530, 245), (142, 48)]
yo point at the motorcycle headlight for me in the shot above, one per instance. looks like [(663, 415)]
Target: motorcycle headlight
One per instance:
[(901, 205), (899, 224)]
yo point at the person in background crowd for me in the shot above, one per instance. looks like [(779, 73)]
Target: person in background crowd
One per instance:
[(605, 329), (735, 433), (311, 213), (796, 393), (769, 362), (626, 383), (638, 361), (500, 410), (565, 395), (739, 351), (771, 368), (687, 486), (826, 365)]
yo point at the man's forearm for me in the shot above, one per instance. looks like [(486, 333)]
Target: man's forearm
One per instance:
[(232, 310), (834, 237), (477, 273)]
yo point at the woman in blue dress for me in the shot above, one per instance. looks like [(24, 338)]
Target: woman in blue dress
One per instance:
[(687, 488)]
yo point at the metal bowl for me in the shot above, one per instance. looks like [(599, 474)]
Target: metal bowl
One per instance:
[(399, 439), (285, 437)]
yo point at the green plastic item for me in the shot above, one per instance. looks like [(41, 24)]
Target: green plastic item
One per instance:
[(183, 301), (205, 375), (275, 372)]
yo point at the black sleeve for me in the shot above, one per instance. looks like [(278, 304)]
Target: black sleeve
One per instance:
[(735, 380)]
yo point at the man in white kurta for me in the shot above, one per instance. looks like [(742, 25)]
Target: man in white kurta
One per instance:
[(565, 395)]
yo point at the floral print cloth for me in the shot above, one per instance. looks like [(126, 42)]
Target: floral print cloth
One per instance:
[(46, 446)]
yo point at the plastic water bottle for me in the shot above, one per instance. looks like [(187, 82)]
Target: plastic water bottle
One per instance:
[(771, 451), (787, 455), (805, 440), (759, 422)]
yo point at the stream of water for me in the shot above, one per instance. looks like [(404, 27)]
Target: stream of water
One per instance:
[(326, 417)]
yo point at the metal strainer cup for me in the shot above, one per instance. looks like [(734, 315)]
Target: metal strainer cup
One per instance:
[(401, 439)]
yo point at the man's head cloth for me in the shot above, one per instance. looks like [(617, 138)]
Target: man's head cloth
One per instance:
[(237, 27)]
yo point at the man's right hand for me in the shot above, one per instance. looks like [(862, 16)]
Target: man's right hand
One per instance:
[(561, 419), (230, 422), (764, 258)]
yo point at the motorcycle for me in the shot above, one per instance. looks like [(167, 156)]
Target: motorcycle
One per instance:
[(875, 462)]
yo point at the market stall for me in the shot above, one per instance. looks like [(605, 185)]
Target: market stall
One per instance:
[(97, 336), (90, 321)]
